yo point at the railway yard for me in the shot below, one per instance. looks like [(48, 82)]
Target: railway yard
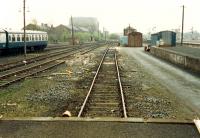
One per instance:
[(99, 69), (65, 87), (96, 80)]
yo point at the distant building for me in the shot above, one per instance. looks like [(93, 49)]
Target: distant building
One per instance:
[(78, 29), (44, 26), (90, 24), (62, 27), (129, 30)]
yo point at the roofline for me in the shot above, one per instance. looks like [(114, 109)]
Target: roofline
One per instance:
[(28, 31), (167, 31)]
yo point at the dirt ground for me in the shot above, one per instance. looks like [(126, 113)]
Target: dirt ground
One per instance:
[(146, 97), (52, 92), (65, 87)]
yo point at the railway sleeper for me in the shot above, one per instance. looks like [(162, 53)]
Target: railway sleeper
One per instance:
[(107, 82), (105, 100), (105, 104), (105, 88), (105, 113), (105, 110), (108, 91), (110, 95), (100, 86)]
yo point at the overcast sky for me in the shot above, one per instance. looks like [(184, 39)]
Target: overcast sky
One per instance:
[(114, 15)]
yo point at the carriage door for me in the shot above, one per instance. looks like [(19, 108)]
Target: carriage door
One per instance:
[(2, 39)]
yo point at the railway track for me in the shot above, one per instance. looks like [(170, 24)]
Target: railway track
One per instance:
[(63, 46), (19, 63), (105, 97), (20, 73)]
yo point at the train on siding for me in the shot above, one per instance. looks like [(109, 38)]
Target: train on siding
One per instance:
[(35, 40)]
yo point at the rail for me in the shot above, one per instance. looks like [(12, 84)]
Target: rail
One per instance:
[(89, 95), (121, 90)]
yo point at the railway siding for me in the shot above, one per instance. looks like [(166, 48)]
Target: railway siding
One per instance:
[(10, 76)]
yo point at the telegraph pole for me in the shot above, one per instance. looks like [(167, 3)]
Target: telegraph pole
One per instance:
[(182, 26), (105, 35), (72, 31), (192, 31), (104, 31), (98, 31), (24, 15)]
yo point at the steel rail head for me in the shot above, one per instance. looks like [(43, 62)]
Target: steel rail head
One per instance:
[(96, 74), (120, 85)]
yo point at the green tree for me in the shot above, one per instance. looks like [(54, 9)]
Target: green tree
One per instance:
[(114, 36)]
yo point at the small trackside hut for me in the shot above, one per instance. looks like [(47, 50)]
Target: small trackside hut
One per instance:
[(131, 37), (163, 39), (135, 39)]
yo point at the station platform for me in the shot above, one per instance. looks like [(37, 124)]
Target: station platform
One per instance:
[(96, 127), (186, 50)]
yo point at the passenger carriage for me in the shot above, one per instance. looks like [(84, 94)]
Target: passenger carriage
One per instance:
[(35, 40)]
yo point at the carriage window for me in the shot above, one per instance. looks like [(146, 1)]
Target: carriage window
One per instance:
[(13, 38), (22, 37), (9, 37), (32, 37), (27, 38), (46, 37), (18, 38), (39, 37), (36, 37)]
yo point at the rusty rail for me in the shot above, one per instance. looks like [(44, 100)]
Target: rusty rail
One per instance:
[(88, 94), (121, 90), (92, 85)]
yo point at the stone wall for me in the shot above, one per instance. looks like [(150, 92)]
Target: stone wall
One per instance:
[(185, 61)]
